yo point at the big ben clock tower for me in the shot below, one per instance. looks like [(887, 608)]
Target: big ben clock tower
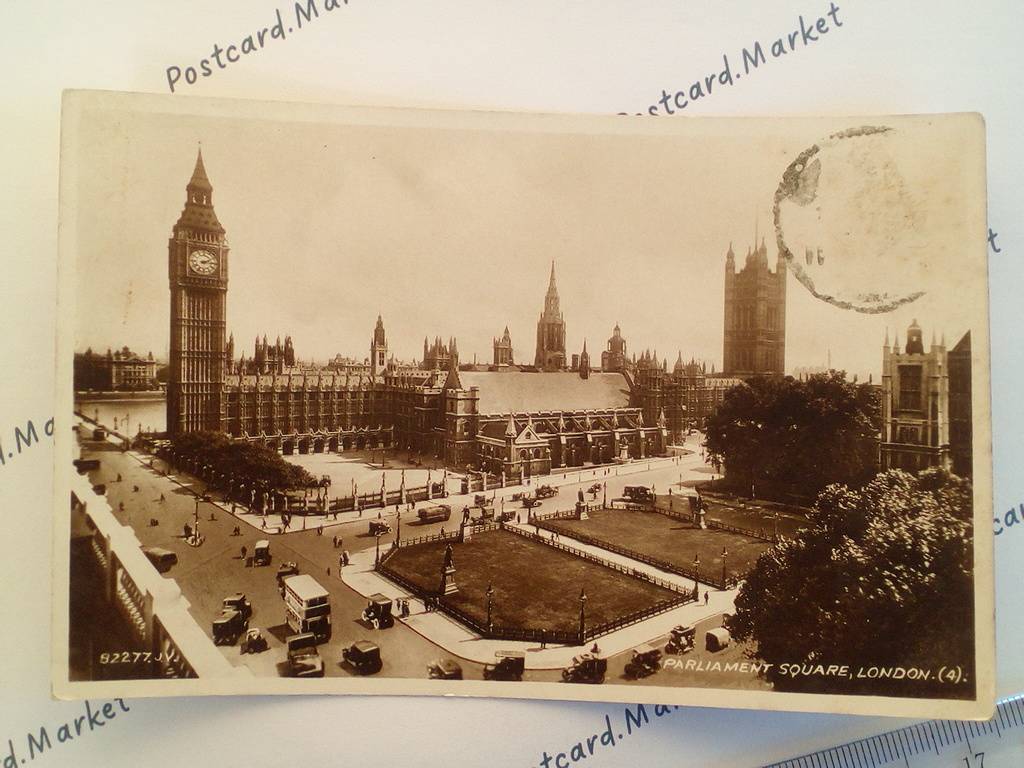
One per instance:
[(197, 258)]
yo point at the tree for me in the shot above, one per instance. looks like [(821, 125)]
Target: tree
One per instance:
[(796, 436), (883, 576), (246, 462)]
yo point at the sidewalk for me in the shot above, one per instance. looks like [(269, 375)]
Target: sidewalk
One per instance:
[(459, 641)]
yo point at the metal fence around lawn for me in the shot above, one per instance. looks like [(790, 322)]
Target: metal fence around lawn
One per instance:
[(533, 634)]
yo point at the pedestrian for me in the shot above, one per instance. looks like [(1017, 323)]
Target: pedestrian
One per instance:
[(341, 561), (263, 523), (706, 597), (344, 558), (543, 639), (119, 477), (244, 552), (334, 542), (162, 499), (320, 530)]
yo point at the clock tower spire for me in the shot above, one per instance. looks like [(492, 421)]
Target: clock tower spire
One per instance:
[(197, 257)]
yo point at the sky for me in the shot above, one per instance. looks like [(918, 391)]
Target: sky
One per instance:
[(447, 224)]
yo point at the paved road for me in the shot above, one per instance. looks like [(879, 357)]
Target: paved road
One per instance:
[(215, 569)]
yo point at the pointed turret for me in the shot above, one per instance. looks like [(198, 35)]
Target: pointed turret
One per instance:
[(510, 430), (198, 213)]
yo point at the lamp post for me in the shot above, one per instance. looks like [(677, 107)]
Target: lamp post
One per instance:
[(583, 615), (696, 576), (195, 523), (775, 525), (725, 554), (490, 600), (376, 557)]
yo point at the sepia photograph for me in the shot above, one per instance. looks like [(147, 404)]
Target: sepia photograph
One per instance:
[(688, 411)]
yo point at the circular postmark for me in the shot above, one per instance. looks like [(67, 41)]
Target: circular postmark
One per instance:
[(850, 220)]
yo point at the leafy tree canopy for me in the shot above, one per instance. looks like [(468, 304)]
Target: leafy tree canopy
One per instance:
[(882, 576), (247, 463), (797, 435)]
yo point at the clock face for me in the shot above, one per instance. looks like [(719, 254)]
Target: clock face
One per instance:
[(202, 262)]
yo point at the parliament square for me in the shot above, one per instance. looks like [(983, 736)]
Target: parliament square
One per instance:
[(490, 488)]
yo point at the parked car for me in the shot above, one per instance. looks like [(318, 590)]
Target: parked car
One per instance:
[(434, 514), (717, 639), (228, 627), (586, 668), (681, 640), (363, 656), (508, 665), (639, 494), (162, 559), (253, 642), (378, 612), (240, 603), (645, 661), (303, 657), (546, 492), (444, 669)]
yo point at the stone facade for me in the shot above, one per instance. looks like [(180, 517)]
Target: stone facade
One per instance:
[(755, 315)]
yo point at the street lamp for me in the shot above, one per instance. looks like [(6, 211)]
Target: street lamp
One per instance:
[(490, 599), (376, 558), (583, 615), (725, 554), (696, 576)]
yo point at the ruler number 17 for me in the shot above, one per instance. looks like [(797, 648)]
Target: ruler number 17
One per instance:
[(977, 762)]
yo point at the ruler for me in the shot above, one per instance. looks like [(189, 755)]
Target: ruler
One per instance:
[(995, 743)]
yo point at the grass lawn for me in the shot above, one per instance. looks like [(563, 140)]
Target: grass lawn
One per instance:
[(743, 513), (535, 586), (669, 539)]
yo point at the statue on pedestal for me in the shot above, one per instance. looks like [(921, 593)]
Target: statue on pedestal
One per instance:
[(448, 586)]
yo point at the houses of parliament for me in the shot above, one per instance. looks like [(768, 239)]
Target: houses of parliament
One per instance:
[(562, 411)]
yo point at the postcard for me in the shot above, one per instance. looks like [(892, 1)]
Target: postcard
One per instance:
[(487, 404)]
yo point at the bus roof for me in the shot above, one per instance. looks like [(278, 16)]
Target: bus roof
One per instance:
[(305, 586)]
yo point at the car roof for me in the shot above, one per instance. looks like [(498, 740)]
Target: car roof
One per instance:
[(510, 654), (262, 543), (379, 598), (645, 648), (365, 646)]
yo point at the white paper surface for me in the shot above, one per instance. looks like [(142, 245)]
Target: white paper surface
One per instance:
[(603, 57)]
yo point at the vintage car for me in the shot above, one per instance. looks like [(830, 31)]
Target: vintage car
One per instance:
[(253, 642), (284, 570), (162, 559), (228, 627), (508, 665), (546, 492), (437, 513), (240, 603), (681, 639), (444, 669), (379, 527), (645, 661), (639, 494), (481, 500), (378, 612), (261, 553), (303, 657), (363, 656), (529, 502), (716, 640), (586, 668), (594, 489)]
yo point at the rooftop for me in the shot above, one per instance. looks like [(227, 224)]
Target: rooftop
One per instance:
[(524, 391)]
